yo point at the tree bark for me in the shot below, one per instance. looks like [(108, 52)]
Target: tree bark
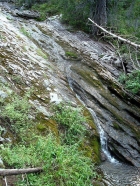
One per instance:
[(100, 16), (9, 172), (115, 36)]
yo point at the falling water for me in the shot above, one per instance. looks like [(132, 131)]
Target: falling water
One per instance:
[(103, 138)]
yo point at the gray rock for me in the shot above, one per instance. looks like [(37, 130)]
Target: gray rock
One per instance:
[(46, 83), (1, 163), (3, 94), (28, 14)]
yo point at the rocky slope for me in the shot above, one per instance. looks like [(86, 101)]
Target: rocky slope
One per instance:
[(49, 57)]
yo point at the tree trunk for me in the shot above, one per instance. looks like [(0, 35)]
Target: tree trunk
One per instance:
[(100, 16), (8, 172)]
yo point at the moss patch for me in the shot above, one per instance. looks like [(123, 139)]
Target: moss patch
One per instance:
[(70, 54), (89, 77), (91, 147)]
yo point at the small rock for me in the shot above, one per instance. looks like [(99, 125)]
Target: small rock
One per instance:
[(46, 83), (3, 94)]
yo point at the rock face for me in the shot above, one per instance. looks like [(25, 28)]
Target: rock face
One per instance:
[(118, 115), (28, 14), (40, 61)]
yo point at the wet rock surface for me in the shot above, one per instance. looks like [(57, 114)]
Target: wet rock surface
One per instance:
[(33, 54)]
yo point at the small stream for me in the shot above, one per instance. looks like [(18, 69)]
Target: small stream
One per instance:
[(103, 139)]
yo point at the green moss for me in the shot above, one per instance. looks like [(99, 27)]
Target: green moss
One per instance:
[(53, 126), (41, 53), (17, 79), (112, 100), (92, 143), (71, 54), (89, 77), (46, 124), (116, 126), (134, 129), (41, 127), (96, 148), (89, 119), (91, 147), (25, 32)]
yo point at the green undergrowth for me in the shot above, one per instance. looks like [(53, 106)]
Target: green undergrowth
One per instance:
[(46, 9), (71, 123), (63, 160), (62, 164), (131, 81)]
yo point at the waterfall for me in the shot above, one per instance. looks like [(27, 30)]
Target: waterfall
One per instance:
[(103, 138)]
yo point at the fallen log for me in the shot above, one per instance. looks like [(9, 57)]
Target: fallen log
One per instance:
[(115, 36), (9, 172)]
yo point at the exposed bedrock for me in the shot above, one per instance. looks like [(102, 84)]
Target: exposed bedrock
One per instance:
[(118, 116)]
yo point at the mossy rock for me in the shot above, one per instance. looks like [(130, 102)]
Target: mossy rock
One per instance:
[(91, 147), (97, 183), (71, 55), (89, 119), (90, 77)]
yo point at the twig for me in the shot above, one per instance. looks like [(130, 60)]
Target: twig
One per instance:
[(5, 181)]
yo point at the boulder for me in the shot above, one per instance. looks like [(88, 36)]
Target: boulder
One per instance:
[(28, 14)]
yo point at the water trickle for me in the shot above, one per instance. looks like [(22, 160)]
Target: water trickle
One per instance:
[(103, 138)]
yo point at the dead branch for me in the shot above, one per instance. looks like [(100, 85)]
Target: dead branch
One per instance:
[(8, 172), (115, 36)]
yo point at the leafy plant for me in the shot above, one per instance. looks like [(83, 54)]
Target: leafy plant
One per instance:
[(45, 9), (131, 81), (17, 111), (71, 123)]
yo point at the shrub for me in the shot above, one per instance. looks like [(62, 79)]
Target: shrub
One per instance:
[(71, 123), (131, 81), (17, 111), (46, 9), (63, 165)]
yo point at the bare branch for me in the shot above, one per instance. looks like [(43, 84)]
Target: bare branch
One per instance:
[(8, 172), (115, 36)]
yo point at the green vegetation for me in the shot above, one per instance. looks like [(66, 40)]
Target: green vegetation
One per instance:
[(131, 81), (25, 32), (126, 17), (123, 16), (17, 79), (41, 53), (46, 9), (71, 123), (71, 54), (63, 161), (62, 165), (16, 112)]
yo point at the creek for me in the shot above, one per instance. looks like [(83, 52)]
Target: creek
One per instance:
[(49, 56)]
